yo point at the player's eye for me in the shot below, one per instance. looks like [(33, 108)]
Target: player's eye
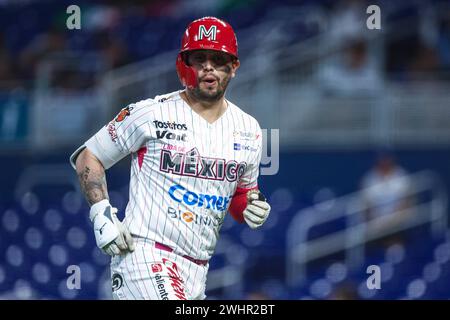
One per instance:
[(219, 59), (199, 58)]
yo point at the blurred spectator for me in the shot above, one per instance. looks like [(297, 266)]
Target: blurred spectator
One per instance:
[(352, 73), (425, 63), (8, 78), (421, 51), (43, 45), (102, 17), (443, 45), (72, 80), (114, 52), (353, 68), (434, 47), (346, 19), (386, 193)]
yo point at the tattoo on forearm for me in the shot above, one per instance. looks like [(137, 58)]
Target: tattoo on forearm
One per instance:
[(93, 185)]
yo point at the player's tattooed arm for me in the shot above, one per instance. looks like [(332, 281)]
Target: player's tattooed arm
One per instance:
[(91, 176)]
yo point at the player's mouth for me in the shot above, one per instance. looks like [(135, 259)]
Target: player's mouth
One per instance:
[(210, 80)]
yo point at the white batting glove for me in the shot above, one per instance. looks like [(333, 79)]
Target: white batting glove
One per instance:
[(257, 210), (111, 236)]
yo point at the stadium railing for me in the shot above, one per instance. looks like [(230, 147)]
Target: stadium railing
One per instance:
[(430, 209)]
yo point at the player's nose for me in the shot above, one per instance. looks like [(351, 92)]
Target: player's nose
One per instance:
[(208, 64)]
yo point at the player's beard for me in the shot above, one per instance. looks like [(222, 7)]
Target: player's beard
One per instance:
[(213, 95)]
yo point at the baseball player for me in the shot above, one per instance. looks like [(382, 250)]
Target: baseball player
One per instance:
[(195, 157)]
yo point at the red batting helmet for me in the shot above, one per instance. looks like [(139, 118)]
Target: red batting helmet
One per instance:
[(207, 33)]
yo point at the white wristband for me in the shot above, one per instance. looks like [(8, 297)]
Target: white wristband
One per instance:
[(98, 208)]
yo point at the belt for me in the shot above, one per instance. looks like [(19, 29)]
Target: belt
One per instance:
[(161, 246)]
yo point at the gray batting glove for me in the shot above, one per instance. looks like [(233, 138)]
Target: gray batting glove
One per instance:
[(257, 210), (111, 236)]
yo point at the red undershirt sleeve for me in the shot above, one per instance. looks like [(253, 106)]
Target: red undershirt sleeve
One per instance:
[(239, 203)]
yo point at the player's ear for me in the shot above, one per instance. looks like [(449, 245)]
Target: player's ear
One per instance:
[(234, 66)]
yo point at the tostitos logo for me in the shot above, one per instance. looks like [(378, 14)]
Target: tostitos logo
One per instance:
[(125, 112), (180, 194), (169, 125)]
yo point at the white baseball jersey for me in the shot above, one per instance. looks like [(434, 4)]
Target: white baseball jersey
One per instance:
[(184, 170)]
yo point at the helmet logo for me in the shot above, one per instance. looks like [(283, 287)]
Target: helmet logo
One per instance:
[(210, 33)]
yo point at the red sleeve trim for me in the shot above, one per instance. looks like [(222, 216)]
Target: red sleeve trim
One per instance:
[(239, 203)]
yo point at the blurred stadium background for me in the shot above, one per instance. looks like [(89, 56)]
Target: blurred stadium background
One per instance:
[(364, 120)]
